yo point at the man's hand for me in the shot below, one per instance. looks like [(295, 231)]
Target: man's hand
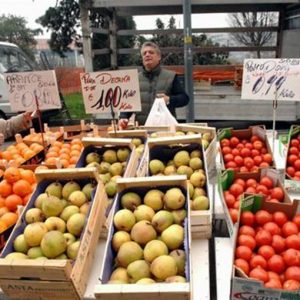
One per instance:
[(27, 119), (165, 97), (122, 124)]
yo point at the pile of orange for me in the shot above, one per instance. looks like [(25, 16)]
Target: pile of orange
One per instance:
[(37, 137), (66, 154), (20, 152), (15, 190)]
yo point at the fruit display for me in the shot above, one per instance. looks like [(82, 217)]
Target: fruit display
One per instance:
[(268, 245), (148, 239), (265, 182), (36, 137), (245, 150), (56, 234), (182, 157), (293, 154)]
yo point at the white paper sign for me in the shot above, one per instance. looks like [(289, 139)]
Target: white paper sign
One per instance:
[(106, 90), (263, 78), (25, 88)]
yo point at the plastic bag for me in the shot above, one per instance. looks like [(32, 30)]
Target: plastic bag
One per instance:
[(160, 115)]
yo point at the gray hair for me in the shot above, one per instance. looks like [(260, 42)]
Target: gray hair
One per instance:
[(152, 45)]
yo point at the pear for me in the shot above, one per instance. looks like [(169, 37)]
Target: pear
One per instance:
[(136, 142), (137, 270), (120, 274), (154, 199), (61, 256), (123, 154), (195, 153), (72, 250), (156, 166), (198, 179), (84, 208), (92, 157), (75, 224), (162, 220), (124, 219), (105, 178), (77, 198), (88, 189), (69, 188), (143, 212), (196, 163), (179, 256), (110, 156), (54, 189), (153, 249), (142, 232), (176, 278), (104, 167), (191, 190), (163, 267), (174, 198), (200, 203), (34, 215), (170, 170), (52, 206), (173, 236), (70, 238), (145, 281), (16, 256), (185, 170), (111, 188), (128, 253), (116, 169), (55, 223), (34, 232), (20, 244), (68, 212), (53, 244), (179, 215), (35, 252), (39, 200), (119, 238), (130, 200), (181, 158), (198, 192)]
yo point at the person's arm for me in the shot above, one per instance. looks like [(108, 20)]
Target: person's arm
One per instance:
[(123, 119), (178, 97)]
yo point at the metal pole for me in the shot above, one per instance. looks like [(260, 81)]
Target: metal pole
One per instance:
[(113, 40), (188, 59)]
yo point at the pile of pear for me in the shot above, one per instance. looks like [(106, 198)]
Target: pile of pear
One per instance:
[(148, 238), (139, 145), (189, 164), (55, 223), (111, 166)]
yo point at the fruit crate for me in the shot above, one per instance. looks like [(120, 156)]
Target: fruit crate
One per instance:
[(99, 145), (47, 136), (226, 179), (165, 149), (165, 291), (245, 134), (53, 278), (241, 285)]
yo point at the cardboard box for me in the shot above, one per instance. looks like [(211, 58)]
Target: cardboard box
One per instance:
[(178, 291), (55, 279), (101, 144), (242, 287), (227, 177), (165, 149), (245, 134)]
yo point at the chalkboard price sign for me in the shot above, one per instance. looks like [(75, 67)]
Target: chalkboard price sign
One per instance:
[(271, 79)]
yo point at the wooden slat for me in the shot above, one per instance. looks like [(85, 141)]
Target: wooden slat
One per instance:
[(95, 141)]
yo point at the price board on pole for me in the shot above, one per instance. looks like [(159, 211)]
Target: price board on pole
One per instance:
[(26, 89), (269, 79), (111, 90)]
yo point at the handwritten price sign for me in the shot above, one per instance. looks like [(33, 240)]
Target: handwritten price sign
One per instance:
[(270, 79), (105, 90), (25, 88)]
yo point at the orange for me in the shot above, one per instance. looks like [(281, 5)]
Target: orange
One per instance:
[(50, 161), (76, 147), (2, 202), (6, 155), (54, 148), (22, 188), (26, 199), (64, 156), (12, 202), (3, 226), (66, 145), (3, 210), (58, 144), (76, 141), (51, 154), (28, 154), (75, 153), (73, 159), (12, 174), (65, 163), (9, 218), (1, 172), (41, 168), (28, 175), (21, 146), (5, 188)]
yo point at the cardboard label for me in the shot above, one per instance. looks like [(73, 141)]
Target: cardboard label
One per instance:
[(270, 79), (111, 90), (25, 89)]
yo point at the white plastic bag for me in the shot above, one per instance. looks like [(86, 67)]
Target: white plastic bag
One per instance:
[(160, 115)]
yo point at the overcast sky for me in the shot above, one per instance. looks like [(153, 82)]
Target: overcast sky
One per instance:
[(31, 10)]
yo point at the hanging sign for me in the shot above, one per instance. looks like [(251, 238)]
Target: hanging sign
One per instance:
[(270, 79), (111, 90), (25, 88)]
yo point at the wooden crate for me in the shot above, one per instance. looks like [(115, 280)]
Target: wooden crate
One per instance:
[(101, 144), (55, 279), (203, 217), (178, 291)]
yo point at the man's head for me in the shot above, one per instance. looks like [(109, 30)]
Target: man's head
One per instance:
[(151, 55)]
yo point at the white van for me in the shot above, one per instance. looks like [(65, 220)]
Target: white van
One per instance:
[(12, 59)]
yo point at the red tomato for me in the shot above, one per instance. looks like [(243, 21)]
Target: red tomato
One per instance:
[(292, 273), (280, 218), (291, 285), (234, 141), (228, 157), (263, 237), (236, 204), (238, 160), (251, 182), (258, 145), (291, 257), (247, 218), (276, 264), (292, 158), (293, 150), (273, 284), (234, 214), (272, 227), (274, 275), (249, 146), (262, 217), (254, 138), (247, 240), (243, 252), (245, 152), (277, 193), (266, 181), (289, 228), (266, 251), (247, 230), (235, 152), (293, 241), (267, 157), (240, 181), (259, 274), (230, 165), (278, 243), (250, 190), (297, 164), (225, 142), (257, 160), (258, 260), (243, 169), (240, 146), (242, 264), (248, 162), (262, 189), (255, 152), (291, 171), (264, 150), (294, 143), (264, 164), (236, 189), (296, 220), (229, 200), (226, 150)]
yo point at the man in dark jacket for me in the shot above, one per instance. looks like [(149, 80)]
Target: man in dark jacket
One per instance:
[(156, 82)]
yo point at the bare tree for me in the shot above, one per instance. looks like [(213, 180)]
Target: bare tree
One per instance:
[(254, 19)]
